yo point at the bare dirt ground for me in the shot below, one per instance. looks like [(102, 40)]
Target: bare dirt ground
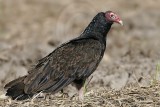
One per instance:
[(127, 76)]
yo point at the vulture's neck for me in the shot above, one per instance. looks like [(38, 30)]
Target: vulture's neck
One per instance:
[(98, 25)]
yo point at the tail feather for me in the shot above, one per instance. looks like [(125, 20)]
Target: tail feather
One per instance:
[(15, 89), (14, 82)]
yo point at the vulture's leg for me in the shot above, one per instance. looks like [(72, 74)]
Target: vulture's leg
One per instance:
[(80, 87)]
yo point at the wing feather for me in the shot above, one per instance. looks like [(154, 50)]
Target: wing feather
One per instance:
[(76, 59)]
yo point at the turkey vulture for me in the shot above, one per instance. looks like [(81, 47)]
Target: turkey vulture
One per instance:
[(72, 62)]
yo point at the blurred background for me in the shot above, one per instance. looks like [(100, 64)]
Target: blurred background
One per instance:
[(31, 29)]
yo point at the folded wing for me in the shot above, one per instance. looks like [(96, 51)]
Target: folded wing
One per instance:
[(74, 60)]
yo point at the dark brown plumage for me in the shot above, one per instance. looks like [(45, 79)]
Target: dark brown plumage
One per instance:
[(73, 61)]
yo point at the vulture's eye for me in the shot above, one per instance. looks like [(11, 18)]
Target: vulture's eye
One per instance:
[(112, 16)]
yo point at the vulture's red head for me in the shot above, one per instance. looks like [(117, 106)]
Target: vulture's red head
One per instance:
[(112, 17)]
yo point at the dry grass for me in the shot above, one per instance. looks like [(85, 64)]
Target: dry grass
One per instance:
[(130, 96)]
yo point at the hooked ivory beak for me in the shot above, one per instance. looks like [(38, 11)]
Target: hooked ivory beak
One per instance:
[(120, 22)]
